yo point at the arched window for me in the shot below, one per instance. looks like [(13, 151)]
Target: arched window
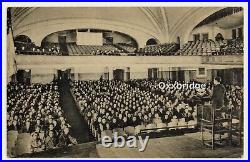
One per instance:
[(22, 38), (178, 41), (219, 37), (151, 41)]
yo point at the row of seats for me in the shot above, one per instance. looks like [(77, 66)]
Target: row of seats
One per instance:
[(162, 49), (210, 47), (75, 49), (150, 128), (32, 49), (234, 47), (192, 48)]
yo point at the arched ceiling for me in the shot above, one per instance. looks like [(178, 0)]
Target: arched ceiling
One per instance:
[(142, 23)]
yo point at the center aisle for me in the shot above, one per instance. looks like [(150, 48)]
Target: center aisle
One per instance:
[(79, 128)]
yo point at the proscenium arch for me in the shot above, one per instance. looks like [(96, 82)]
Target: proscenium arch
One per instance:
[(140, 34)]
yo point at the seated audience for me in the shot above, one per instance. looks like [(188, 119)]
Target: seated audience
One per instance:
[(110, 105), (35, 109)]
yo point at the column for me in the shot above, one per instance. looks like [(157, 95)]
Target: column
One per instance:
[(76, 74), (186, 76), (110, 73)]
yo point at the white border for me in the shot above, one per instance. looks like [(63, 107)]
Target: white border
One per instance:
[(121, 4)]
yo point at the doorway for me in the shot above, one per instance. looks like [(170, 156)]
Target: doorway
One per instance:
[(23, 76), (64, 75), (181, 75), (61, 39), (118, 74), (109, 40), (153, 73), (63, 44)]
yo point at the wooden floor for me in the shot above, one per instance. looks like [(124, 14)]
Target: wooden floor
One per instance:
[(84, 150), (186, 146)]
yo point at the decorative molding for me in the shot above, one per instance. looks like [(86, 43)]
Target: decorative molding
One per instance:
[(151, 17), (165, 22)]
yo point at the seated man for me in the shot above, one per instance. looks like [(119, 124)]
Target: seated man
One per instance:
[(50, 141), (65, 139)]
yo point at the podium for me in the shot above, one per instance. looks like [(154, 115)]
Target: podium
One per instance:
[(216, 126)]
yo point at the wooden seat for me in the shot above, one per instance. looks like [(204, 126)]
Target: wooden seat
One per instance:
[(151, 126), (161, 125)]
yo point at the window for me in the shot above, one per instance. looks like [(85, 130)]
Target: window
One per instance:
[(196, 37), (201, 71), (240, 33), (205, 37), (234, 34)]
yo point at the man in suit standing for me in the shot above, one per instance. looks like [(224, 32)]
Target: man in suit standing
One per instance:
[(218, 94)]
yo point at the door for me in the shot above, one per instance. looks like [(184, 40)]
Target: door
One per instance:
[(62, 39), (118, 74), (109, 40), (63, 45), (64, 74), (234, 34), (181, 76), (23, 76), (153, 73)]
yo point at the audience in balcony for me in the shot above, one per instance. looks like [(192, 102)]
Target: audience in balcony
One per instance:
[(32, 49), (106, 49), (210, 47), (192, 48), (158, 50)]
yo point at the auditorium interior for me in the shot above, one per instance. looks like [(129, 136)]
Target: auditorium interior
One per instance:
[(77, 74)]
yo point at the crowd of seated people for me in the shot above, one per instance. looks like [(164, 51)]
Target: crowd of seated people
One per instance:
[(32, 49), (140, 104), (233, 98), (210, 47), (192, 48), (35, 109), (115, 105), (109, 50), (166, 49), (234, 47)]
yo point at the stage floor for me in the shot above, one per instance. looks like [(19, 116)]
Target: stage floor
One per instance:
[(185, 146)]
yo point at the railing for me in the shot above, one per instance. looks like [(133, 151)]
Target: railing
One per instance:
[(226, 59)]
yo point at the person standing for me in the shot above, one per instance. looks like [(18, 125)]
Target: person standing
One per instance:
[(218, 94)]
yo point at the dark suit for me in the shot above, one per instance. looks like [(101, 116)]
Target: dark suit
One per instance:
[(218, 96)]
